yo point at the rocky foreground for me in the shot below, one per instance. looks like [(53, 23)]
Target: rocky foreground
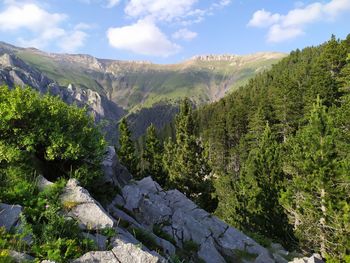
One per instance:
[(150, 225)]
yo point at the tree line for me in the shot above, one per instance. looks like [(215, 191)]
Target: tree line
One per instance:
[(272, 158)]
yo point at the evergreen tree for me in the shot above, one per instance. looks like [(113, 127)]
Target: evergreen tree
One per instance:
[(152, 157), (317, 194), (255, 206), (126, 150), (187, 163)]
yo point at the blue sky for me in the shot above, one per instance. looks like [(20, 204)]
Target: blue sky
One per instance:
[(168, 31)]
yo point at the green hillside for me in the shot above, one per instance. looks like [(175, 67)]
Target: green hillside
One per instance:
[(135, 85)]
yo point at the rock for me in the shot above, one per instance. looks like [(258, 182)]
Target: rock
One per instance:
[(315, 258), (264, 258), (100, 240), (9, 215), (86, 210), (279, 258), (114, 173), (19, 257), (47, 261), (130, 253), (125, 236), (121, 215), (43, 183), (183, 220), (208, 252), (97, 257)]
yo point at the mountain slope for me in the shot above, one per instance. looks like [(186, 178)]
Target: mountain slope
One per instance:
[(137, 84)]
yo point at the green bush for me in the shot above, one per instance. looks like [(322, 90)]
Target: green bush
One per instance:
[(55, 138)]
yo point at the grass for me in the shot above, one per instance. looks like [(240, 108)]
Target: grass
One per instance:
[(146, 239)]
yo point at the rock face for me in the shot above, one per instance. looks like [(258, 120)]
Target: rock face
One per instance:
[(82, 207), (183, 221)]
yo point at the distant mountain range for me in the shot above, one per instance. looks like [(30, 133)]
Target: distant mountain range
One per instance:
[(128, 86)]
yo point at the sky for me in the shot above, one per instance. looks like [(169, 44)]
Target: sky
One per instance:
[(170, 31)]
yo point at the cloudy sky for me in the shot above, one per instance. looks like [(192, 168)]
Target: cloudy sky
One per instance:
[(168, 31)]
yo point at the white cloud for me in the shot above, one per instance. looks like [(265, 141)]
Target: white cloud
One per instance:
[(112, 3), (44, 27), (28, 16), (289, 26), (184, 34), (143, 37), (166, 10), (280, 34), (72, 41), (262, 18)]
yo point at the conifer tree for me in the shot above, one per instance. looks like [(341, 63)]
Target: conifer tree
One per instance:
[(126, 150), (152, 157), (317, 194), (255, 207), (186, 161)]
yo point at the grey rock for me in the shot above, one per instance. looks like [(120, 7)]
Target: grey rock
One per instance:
[(264, 258), (130, 253), (97, 257), (125, 236), (114, 173), (19, 257), (315, 258), (47, 261), (9, 215), (279, 258), (208, 252), (121, 215), (43, 183), (86, 210), (100, 240)]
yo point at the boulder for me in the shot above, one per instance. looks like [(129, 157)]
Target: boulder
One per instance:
[(9, 215), (131, 253), (43, 183), (19, 257), (82, 207), (97, 257)]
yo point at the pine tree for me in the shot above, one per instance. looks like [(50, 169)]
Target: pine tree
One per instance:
[(152, 157), (126, 150), (256, 206), (316, 196), (186, 161)]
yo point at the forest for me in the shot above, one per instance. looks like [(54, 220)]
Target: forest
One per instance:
[(272, 158)]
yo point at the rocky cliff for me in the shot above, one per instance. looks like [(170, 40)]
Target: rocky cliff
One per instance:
[(150, 224)]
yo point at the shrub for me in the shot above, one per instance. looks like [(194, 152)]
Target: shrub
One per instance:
[(55, 138)]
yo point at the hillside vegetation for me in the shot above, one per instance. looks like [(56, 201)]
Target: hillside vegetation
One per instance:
[(280, 150), (137, 84)]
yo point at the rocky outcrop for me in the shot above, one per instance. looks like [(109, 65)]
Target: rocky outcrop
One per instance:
[(122, 251), (183, 221), (85, 209)]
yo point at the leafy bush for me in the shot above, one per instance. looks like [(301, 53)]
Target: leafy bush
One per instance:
[(55, 138)]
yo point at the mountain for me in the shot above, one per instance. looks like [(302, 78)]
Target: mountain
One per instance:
[(137, 84)]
